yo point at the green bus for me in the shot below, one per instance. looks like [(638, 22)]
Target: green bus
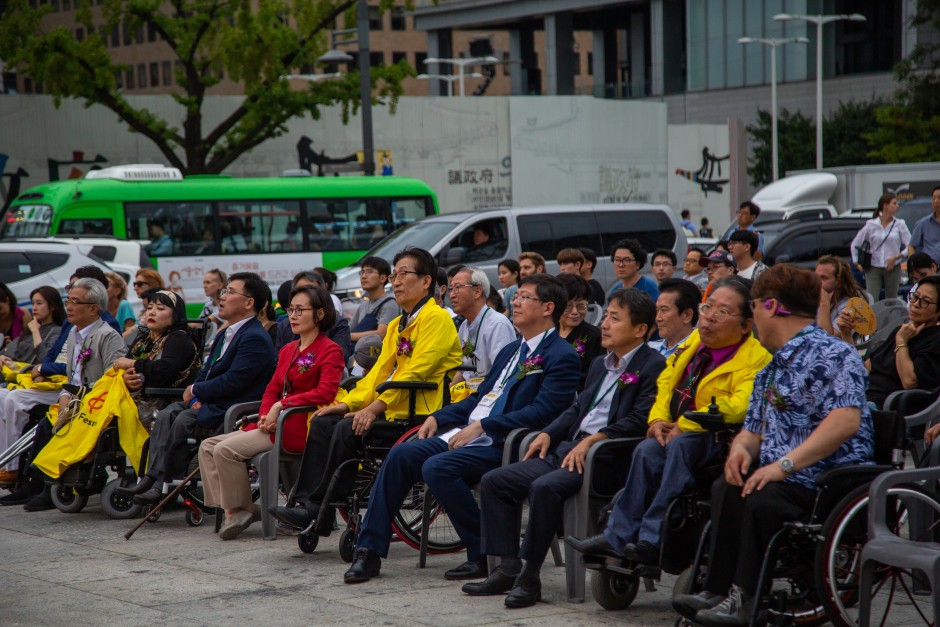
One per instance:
[(273, 226)]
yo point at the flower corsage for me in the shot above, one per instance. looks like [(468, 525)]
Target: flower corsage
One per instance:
[(405, 347), (628, 378), (580, 346), (530, 365), (305, 363)]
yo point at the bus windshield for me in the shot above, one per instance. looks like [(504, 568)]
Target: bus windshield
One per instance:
[(419, 234), (27, 221)]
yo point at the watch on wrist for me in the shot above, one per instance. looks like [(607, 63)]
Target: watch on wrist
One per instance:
[(786, 465)]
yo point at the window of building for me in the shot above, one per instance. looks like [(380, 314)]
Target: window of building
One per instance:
[(420, 65), (576, 62), (590, 64), (167, 73), (115, 36), (399, 56), (126, 32), (79, 34), (27, 85), (352, 64), (154, 74), (505, 64), (376, 59), (375, 18), (129, 79), (141, 75), (66, 5), (398, 18), (139, 35), (55, 5), (119, 80), (151, 32)]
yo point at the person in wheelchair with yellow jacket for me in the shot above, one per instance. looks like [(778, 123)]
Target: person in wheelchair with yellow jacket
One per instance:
[(807, 414), (719, 360)]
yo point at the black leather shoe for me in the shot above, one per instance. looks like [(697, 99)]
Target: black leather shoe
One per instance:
[(366, 565), (643, 552), (149, 497), (142, 486), (40, 503), (497, 583), (467, 570), (526, 593), (298, 516), (22, 495), (688, 605), (594, 545)]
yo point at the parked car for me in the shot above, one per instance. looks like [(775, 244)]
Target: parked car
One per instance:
[(545, 230), (802, 243), (26, 264)]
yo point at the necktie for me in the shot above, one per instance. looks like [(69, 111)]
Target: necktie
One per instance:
[(683, 397), (500, 405), (217, 352)]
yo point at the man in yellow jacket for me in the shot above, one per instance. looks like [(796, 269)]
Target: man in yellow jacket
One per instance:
[(719, 360), (420, 345)]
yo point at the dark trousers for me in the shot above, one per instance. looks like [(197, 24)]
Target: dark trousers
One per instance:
[(743, 527), (658, 474), (42, 437), (448, 474), (174, 423), (502, 492)]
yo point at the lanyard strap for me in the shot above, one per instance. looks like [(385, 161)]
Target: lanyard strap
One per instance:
[(515, 357), (476, 338), (597, 401)]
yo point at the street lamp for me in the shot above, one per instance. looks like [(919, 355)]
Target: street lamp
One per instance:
[(448, 78), (365, 76), (773, 43), (461, 64), (313, 78), (819, 21)]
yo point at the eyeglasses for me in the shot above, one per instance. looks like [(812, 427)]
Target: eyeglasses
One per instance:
[(136, 284), (458, 286), (517, 297), (579, 307), (73, 302), (227, 290), (717, 314), (919, 301), (297, 311), (663, 264), (367, 272), (394, 276), (622, 261)]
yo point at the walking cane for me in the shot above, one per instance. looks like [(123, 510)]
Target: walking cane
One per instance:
[(172, 495), (25, 441)]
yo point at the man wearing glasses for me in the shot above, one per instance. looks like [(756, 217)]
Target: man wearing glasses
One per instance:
[(629, 257), (483, 333), (746, 216), (91, 347), (720, 360), (240, 364), (378, 309)]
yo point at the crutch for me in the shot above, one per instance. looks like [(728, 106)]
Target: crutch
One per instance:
[(17, 448), (172, 495)]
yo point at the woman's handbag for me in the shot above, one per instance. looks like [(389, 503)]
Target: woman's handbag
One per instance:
[(864, 255)]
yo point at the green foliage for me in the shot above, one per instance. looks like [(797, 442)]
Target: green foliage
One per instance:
[(904, 135), (846, 131), (253, 43), (796, 144)]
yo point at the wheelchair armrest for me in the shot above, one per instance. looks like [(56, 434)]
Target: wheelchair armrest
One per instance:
[(463, 368), (164, 392), (924, 416), (849, 476), (238, 411), (902, 399), (597, 448), (282, 420), (411, 386)]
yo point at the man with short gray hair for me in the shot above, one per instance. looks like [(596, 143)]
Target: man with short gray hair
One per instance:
[(484, 332)]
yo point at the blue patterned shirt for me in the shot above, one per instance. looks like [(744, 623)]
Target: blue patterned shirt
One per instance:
[(809, 377)]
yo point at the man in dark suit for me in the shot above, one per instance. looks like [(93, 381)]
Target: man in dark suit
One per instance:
[(240, 364), (615, 403), (531, 381)]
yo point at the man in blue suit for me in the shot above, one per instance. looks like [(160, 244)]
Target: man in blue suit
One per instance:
[(531, 381), (240, 364), (616, 401)]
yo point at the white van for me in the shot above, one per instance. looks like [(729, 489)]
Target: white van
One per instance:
[(545, 230), (797, 197)]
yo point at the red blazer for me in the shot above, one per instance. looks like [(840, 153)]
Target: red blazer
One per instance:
[(310, 377)]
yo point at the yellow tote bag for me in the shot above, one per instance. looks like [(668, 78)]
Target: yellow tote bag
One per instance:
[(25, 381), (11, 370), (109, 398)]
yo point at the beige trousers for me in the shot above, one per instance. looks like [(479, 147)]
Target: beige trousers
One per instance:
[(222, 467)]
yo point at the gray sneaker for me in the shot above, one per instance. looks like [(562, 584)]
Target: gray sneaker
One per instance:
[(734, 610), (688, 605)]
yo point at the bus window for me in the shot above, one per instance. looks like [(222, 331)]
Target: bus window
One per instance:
[(172, 228), (28, 221), (261, 226), (347, 224), (86, 226), (407, 210)]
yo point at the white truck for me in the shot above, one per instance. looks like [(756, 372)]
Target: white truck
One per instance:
[(858, 187)]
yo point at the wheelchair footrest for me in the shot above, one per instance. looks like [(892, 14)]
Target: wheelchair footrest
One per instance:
[(622, 567)]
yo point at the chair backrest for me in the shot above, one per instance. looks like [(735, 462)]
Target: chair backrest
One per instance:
[(595, 314)]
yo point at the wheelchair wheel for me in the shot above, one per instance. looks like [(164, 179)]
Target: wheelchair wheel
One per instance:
[(308, 542), (67, 500), (684, 584), (194, 517), (614, 591), (897, 592), (347, 545), (118, 506), (442, 537)]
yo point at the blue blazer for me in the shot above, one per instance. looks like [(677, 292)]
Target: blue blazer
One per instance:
[(532, 402), (629, 407), (239, 376)]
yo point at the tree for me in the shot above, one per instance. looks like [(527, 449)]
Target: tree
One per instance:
[(253, 43), (796, 145), (846, 131)]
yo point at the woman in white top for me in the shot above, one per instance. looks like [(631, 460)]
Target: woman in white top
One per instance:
[(887, 238)]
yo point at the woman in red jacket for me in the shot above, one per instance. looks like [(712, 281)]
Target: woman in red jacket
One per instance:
[(308, 373)]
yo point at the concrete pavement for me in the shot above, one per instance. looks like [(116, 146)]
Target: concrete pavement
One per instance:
[(77, 569)]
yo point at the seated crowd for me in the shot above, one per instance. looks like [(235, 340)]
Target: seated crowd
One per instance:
[(736, 365)]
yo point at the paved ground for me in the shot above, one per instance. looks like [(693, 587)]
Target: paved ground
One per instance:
[(77, 569)]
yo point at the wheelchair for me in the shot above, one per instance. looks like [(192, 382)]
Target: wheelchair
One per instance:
[(407, 525), (810, 573)]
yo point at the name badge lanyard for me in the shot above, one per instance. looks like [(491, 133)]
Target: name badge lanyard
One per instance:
[(511, 371)]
